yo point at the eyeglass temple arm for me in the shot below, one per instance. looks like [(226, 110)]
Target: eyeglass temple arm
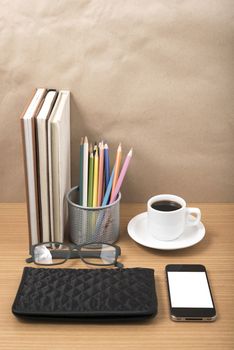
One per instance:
[(90, 254), (75, 254)]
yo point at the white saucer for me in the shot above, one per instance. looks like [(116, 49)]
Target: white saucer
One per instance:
[(137, 230)]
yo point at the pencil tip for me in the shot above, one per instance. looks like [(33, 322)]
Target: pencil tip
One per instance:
[(86, 139), (82, 141), (120, 147), (130, 152)]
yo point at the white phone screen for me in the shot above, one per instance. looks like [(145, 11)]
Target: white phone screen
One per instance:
[(189, 289)]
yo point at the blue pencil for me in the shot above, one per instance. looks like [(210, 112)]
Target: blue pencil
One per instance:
[(108, 190), (107, 164), (81, 172)]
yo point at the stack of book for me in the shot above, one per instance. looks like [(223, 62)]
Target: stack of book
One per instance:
[(46, 142)]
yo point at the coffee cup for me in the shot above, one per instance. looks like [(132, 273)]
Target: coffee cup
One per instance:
[(168, 216)]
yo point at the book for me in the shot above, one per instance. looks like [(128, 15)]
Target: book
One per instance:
[(59, 164), (43, 172), (27, 120)]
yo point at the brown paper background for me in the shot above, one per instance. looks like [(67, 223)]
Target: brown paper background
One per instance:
[(155, 75)]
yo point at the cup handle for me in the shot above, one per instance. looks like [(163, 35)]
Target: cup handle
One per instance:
[(195, 212)]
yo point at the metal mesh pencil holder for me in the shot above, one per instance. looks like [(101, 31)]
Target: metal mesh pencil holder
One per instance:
[(88, 224)]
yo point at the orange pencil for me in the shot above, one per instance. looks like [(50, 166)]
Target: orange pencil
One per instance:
[(100, 175), (117, 167)]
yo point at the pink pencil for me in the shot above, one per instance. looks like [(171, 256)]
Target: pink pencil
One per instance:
[(100, 176), (122, 174)]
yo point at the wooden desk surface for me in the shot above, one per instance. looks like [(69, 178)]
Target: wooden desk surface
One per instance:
[(216, 252)]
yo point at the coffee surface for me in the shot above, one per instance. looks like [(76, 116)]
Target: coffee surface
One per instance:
[(166, 205)]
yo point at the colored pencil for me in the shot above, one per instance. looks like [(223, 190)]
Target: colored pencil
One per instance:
[(117, 167), (90, 184), (122, 175), (100, 175), (108, 190), (85, 171), (95, 180), (107, 164), (103, 183), (81, 172)]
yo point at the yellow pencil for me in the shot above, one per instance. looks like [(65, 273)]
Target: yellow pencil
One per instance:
[(100, 173), (95, 180), (117, 167)]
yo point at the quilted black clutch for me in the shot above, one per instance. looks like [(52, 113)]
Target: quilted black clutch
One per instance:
[(86, 294)]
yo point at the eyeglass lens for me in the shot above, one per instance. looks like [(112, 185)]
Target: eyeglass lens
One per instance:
[(98, 253), (51, 253)]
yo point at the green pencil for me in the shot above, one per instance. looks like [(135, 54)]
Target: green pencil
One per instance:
[(81, 172), (90, 184)]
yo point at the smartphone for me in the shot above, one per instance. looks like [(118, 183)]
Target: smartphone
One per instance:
[(189, 293)]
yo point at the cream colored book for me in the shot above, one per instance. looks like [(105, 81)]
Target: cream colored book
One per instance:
[(30, 162), (59, 154), (43, 171)]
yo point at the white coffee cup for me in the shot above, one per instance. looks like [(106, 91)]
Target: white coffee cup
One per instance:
[(169, 225)]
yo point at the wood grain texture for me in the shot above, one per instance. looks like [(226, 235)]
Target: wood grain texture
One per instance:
[(215, 252)]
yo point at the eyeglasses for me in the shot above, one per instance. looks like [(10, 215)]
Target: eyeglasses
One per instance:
[(56, 253)]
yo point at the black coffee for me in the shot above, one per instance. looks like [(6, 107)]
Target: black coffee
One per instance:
[(166, 205)]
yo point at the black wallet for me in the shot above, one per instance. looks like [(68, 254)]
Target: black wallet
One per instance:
[(86, 294)]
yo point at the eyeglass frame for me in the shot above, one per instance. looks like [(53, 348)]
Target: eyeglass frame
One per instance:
[(76, 249)]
